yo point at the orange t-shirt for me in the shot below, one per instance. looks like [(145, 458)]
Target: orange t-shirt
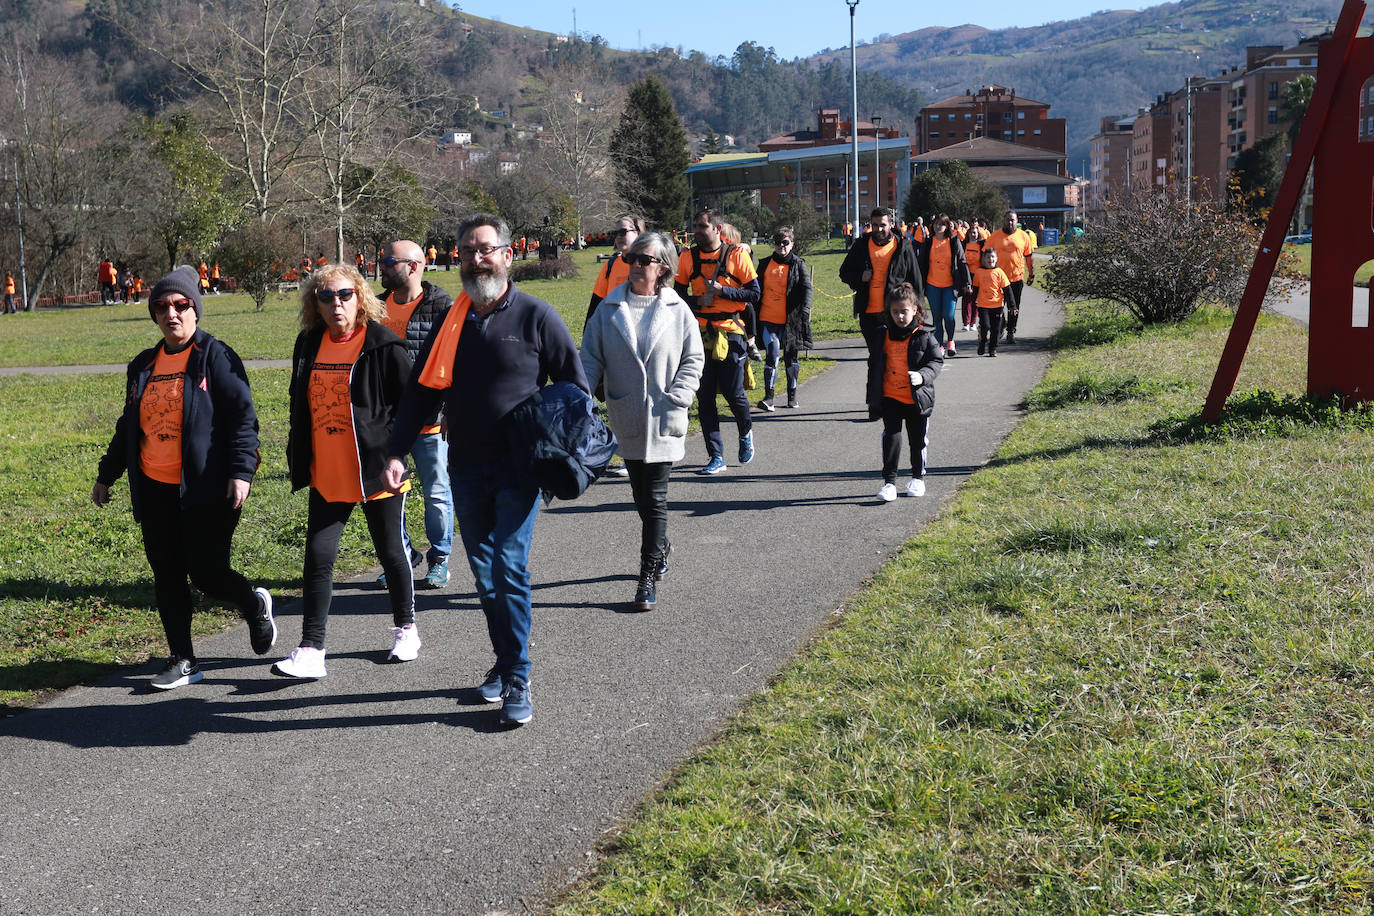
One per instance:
[(334, 467), (138, 284), (1012, 251), (877, 285), (773, 305), (896, 380), (736, 272), (620, 273), (159, 417), (397, 317), (9, 286), (941, 261), (990, 282), (203, 271), (107, 272)]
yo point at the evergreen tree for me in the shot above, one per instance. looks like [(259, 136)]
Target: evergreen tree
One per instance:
[(951, 187), (649, 151)]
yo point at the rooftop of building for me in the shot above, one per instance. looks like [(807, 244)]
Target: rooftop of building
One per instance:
[(987, 148)]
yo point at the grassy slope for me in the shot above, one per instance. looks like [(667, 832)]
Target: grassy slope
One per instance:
[(1126, 670)]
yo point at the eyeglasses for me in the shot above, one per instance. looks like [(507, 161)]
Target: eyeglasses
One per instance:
[(625, 231), (782, 241), (640, 260), (328, 295), (486, 251), (163, 305), (392, 262)]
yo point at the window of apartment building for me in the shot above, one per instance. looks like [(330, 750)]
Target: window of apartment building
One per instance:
[(1020, 116), (1273, 90), (934, 134), (1021, 133), (968, 115), (1273, 116), (1036, 132)]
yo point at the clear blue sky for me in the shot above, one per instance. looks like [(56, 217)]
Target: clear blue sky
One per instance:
[(794, 29)]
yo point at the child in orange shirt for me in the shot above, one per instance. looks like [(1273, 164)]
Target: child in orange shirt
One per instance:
[(994, 291), (904, 389)]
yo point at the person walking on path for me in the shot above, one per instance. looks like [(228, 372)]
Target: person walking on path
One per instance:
[(10, 307), (994, 293), (784, 314), (718, 280), (347, 373), (413, 307), (1014, 248), (496, 347), (628, 226), (973, 249), (905, 388), (942, 265), (106, 275), (188, 438), (643, 342), (881, 263)]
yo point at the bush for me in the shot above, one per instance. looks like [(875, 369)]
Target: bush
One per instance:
[(255, 254), (1160, 257), (558, 268)]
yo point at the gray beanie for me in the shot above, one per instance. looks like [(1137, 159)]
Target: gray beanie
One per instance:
[(183, 280)]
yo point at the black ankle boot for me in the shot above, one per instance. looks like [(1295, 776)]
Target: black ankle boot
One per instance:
[(646, 593), (663, 559)]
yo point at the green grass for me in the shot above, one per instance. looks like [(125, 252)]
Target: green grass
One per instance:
[(107, 335), (1127, 670)]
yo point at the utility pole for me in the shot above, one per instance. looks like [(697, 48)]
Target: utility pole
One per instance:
[(854, 115), (877, 164)]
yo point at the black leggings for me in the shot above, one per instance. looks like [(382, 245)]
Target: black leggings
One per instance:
[(649, 484), (895, 414), (194, 543), (323, 528), (989, 328), (1014, 306)]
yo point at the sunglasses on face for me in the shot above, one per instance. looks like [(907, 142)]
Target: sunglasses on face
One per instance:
[(328, 295), (392, 262), (181, 305), (624, 231), (640, 260)]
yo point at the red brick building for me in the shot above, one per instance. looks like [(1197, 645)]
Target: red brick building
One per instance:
[(993, 111), (833, 130)]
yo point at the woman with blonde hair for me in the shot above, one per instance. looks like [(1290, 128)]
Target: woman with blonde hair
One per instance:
[(347, 373)]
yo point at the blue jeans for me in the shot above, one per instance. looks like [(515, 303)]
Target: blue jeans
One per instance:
[(495, 511), (772, 349), (942, 301), (430, 452)]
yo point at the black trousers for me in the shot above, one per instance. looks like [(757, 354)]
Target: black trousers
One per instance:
[(895, 415), (871, 327), (727, 377), (989, 328), (1014, 308), (323, 528), (189, 543), (649, 485)]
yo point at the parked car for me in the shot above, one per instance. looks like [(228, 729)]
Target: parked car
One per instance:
[(1302, 238)]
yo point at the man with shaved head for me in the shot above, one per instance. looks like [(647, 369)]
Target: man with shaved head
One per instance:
[(413, 306)]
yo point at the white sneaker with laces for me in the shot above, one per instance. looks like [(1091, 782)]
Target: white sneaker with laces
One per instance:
[(304, 662), (888, 493), (917, 487), (406, 647)]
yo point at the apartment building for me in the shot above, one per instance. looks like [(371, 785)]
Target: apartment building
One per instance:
[(1256, 93), (992, 111), (1151, 139), (1198, 147), (1109, 162)]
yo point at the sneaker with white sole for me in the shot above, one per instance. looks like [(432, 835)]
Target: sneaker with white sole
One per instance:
[(262, 627), (494, 685), (917, 487), (178, 673), (888, 493), (406, 645), (304, 662)]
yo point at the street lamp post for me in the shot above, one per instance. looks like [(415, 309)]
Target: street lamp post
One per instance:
[(877, 165), (828, 223), (854, 115)]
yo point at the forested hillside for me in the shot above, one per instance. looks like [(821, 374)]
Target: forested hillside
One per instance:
[(1109, 63)]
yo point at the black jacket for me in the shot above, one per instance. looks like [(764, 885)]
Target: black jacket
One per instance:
[(797, 331), (958, 265), (219, 426), (923, 355), (434, 303), (903, 268), (375, 388)]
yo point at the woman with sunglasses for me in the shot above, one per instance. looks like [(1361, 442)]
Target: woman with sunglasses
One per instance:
[(347, 372), (188, 437), (643, 342), (628, 226)]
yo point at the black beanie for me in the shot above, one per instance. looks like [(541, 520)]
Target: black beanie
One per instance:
[(183, 280)]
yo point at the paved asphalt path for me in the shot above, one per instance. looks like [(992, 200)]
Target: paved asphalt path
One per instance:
[(1297, 303), (391, 788)]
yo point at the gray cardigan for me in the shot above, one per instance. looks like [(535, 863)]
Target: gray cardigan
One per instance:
[(647, 400)]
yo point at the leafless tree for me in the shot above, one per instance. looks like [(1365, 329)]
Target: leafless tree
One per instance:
[(579, 116)]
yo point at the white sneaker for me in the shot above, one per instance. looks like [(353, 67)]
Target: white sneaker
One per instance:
[(888, 493), (406, 648), (304, 662), (917, 487)]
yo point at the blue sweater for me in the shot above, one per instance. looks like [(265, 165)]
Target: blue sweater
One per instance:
[(501, 360)]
